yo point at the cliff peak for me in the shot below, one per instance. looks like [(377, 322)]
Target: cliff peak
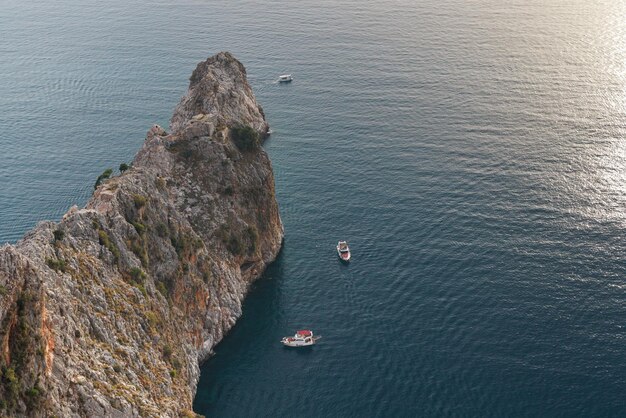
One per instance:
[(218, 89)]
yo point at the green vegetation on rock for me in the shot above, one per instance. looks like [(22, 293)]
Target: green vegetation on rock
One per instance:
[(58, 235), (253, 239), (139, 200), (245, 138), (137, 274), (56, 264), (102, 177), (104, 239)]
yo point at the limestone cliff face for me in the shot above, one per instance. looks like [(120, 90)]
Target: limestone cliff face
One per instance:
[(108, 312)]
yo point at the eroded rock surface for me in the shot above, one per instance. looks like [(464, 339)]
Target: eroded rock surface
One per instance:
[(110, 311)]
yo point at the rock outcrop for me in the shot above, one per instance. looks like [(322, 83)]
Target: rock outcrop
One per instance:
[(109, 311)]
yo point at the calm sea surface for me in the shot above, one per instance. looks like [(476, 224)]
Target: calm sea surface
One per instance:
[(473, 153)]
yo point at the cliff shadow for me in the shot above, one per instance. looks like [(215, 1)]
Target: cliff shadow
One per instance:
[(252, 336)]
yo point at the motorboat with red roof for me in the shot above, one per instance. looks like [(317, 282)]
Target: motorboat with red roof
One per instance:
[(302, 338), (343, 251)]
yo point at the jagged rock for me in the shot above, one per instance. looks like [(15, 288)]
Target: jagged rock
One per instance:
[(112, 316)]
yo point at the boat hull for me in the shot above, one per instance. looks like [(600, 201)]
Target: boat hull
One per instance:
[(297, 343), (343, 256), (303, 338)]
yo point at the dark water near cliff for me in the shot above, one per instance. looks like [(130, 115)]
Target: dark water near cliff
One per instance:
[(473, 153)]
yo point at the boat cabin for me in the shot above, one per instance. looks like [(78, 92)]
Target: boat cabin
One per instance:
[(304, 333)]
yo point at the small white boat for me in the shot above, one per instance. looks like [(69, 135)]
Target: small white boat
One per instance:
[(303, 338), (285, 78), (343, 250)]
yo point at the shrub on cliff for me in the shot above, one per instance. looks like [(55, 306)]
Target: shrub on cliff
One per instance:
[(253, 239), (234, 245), (245, 138), (167, 352), (57, 264), (139, 200), (139, 227), (162, 289), (58, 235), (102, 177), (138, 248), (104, 240), (162, 229), (11, 386), (33, 396), (137, 275)]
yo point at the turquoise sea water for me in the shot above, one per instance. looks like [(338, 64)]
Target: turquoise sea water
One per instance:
[(472, 153)]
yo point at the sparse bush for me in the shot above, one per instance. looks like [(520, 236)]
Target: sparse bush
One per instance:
[(223, 233), (153, 319), (137, 248), (234, 245), (197, 243), (58, 235), (230, 240), (140, 201), (123, 167), (102, 177), (56, 264), (32, 396), (228, 191), (139, 227), (253, 237), (162, 229), (167, 352), (137, 275), (22, 301), (117, 368), (103, 238), (245, 138), (141, 288), (11, 386), (3, 291), (180, 244), (162, 289)]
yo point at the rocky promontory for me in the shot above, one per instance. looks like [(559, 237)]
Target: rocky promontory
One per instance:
[(109, 312)]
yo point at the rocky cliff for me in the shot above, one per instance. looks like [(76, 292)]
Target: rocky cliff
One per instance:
[(110, 311)]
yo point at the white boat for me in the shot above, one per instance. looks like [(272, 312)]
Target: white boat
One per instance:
[(302, 338), (343, 250), (285, 78)]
